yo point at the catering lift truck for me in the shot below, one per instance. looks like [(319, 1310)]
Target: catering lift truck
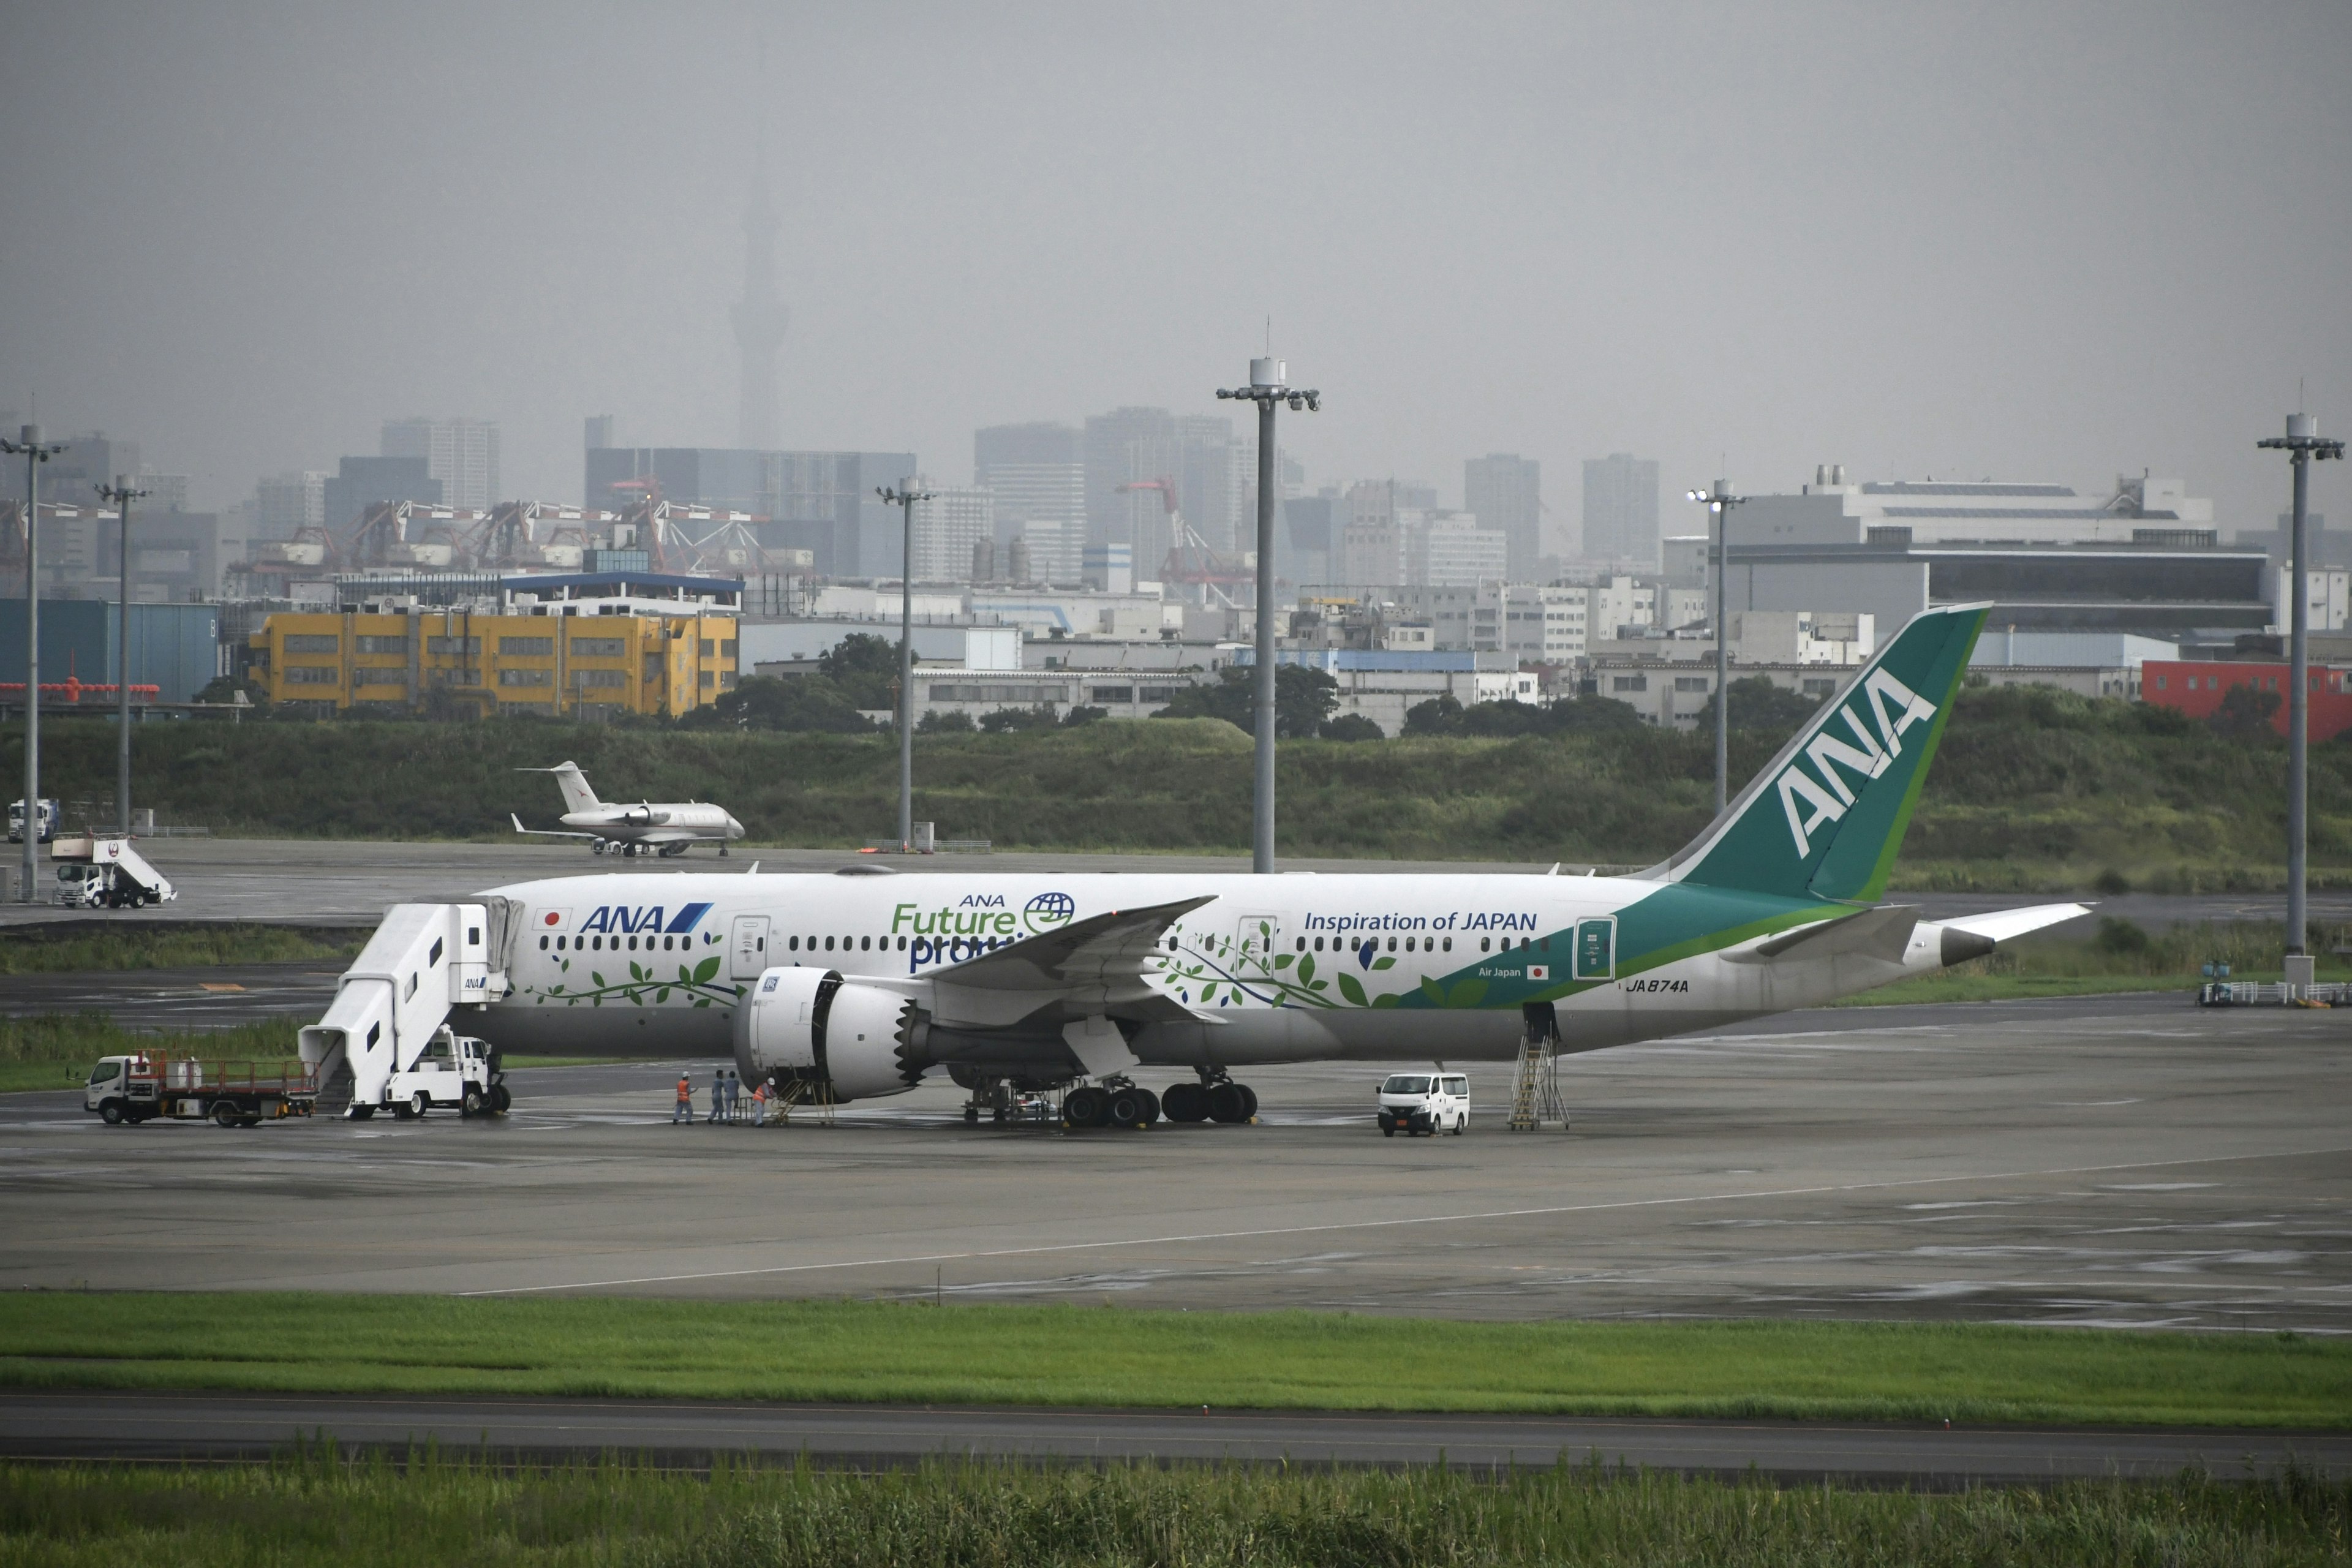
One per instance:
[(102, 871), (145, 1085)]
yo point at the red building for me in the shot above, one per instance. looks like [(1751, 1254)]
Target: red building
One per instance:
[(2197, 688)]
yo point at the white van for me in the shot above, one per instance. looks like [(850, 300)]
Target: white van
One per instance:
[(1424, 1102)]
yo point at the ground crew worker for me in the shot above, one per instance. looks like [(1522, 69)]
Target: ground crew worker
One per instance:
[(718, 1095), (684, 1111), (734, 1096), (759, 1104)]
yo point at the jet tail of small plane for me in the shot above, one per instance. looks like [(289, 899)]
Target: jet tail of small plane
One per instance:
[(577, 795), (1826, 816)]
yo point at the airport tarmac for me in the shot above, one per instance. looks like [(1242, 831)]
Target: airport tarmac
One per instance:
[(2131, 1161), (350, 882)]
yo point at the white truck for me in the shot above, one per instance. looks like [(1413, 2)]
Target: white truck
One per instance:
[(102, 871), (453, 1072), (147, 1085), (48, 824), (1431, 1102)]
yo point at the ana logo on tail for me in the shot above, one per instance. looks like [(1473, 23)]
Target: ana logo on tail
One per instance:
[(1811, 803)]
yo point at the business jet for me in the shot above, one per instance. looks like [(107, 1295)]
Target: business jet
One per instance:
[(641, 830), (856, 984)]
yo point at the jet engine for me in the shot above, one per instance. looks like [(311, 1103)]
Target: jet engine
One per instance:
[(645, 816), (813, 1027)]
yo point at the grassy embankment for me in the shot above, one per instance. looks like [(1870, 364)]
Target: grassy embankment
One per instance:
[(55, 1050), (1003, 1354), (40, 950), (2121, 956), (2033, 790), (441, 1509)]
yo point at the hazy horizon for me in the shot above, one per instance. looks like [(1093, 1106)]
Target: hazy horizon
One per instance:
[(1990, 241)]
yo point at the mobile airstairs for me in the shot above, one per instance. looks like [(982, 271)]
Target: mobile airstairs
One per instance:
[(392, 1037)]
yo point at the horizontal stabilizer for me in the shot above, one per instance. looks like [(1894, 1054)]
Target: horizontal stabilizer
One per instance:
[(2005, 925), (1881, 933)]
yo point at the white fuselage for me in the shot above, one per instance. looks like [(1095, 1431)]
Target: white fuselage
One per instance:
[(1274, 968), (673, 822)]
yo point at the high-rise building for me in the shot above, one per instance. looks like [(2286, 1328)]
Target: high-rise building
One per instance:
[(1037, 476), (73, 476), (1504, 491), (1127, 447), (1621, 510), (598, 431), (359, 483), (947, 527), (463, 454), (284, 504), (1450, 550), (1216, 486)]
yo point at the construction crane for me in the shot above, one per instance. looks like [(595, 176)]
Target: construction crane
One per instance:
[(1190, 561)]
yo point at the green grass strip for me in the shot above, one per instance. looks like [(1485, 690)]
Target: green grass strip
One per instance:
[(439, 1507), (863, 1351)]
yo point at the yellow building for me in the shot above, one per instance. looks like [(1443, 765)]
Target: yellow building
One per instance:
[(575, 666)]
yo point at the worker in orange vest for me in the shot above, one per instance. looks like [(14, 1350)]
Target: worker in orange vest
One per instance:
[(684, 1111)]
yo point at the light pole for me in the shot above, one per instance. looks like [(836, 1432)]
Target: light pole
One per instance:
[(1719, 502), (1267, 388), (904, 500), (28, 445), (120, 493), (2302, 444)]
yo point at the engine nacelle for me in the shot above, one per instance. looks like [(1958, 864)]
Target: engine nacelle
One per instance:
[(645, 816), (813, 1027)]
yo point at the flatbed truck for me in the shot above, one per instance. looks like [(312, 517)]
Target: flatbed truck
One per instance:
[(146, 1085)]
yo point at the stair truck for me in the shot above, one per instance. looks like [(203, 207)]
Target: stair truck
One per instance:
[(390, 1040), (102, 871), (147, 1084)]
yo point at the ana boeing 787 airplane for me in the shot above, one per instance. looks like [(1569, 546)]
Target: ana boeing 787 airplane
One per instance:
[(857, 983)]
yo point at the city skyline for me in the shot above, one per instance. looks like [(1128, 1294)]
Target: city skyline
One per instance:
[(1979, 330)]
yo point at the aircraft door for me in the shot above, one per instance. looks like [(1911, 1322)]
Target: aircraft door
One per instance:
[(1256, 939), (750, 947), (1596, 949)]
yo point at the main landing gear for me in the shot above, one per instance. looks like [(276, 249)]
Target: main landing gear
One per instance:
[(1215, 1098), (1117, 1103)]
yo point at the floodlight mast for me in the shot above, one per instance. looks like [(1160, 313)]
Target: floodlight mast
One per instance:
[(30, 446), (1268, 388), (121, 494), (904, 500), (1719, 503), (2302, 444)]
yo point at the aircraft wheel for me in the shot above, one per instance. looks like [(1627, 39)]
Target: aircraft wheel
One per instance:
[(1226, 1104), (1249, 1101), (501, 1099), (110, 1113), (1086, 1107), (971, 1116), (1151, 1105), (1126, 1108)]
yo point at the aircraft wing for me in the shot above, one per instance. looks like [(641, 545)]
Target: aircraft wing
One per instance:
[(547, 832), (1093, 966)]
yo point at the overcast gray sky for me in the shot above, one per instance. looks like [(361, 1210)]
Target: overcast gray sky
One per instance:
[(2049, 241)]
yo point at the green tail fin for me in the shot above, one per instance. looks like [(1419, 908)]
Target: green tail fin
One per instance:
[(1826, 817)]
